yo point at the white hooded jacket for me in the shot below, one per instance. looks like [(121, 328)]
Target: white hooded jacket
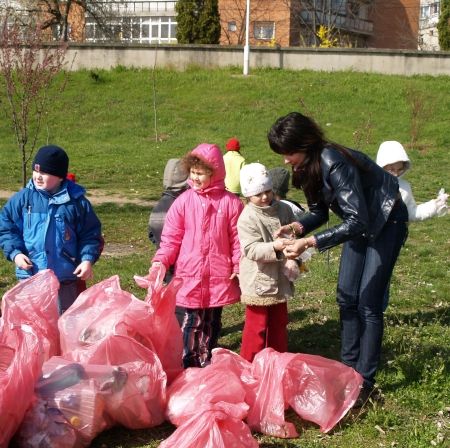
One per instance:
[(392, 152)]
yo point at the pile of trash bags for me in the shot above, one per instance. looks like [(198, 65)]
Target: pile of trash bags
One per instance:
[(112, 359)]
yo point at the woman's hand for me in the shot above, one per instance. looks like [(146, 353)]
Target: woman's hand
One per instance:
[(280, 243), (297, 247), (291, 230)]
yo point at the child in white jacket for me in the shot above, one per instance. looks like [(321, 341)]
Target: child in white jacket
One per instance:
[(393, 158)]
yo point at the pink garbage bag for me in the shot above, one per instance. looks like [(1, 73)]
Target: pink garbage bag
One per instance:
[(21, 358), (141, 402), (105, 309), (227, 361), (218, 425), (34, 302), (100, 311), (70, 408), (196, 387), (319, 390), (168, 339)]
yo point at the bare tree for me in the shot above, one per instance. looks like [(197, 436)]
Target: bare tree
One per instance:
[(340, 17), (62, 17), (233, 12), (27, 72)]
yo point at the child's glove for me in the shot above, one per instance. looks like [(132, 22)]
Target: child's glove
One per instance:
[(441, 203), (291, 270)]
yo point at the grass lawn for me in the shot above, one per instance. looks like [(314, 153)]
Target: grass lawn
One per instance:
[(108, 127)]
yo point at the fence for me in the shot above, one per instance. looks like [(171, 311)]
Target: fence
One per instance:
[(179, 57)]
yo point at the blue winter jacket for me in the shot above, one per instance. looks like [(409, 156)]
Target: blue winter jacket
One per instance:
[(55, 231)]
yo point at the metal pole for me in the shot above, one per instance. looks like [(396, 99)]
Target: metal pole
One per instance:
[(247, 46)]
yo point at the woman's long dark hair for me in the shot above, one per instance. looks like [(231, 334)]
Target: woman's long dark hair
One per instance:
[(296, 133)]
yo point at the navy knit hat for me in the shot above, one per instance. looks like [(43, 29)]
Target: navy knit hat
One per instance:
[(51, 159)]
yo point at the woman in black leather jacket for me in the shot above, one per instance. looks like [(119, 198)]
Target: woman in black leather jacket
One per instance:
[(373, 229)]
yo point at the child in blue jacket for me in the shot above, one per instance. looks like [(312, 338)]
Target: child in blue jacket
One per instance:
[(50, 224)]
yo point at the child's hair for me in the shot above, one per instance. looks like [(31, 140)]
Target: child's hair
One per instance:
[(191, 161)]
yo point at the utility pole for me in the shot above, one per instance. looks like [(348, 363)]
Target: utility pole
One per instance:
[(247, 46)]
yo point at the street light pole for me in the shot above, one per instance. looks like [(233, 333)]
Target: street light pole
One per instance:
[(247, 46)]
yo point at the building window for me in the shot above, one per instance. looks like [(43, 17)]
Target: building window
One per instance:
[(264, 30), (424, 11), (435, 8), (134, 29), (232, 26)]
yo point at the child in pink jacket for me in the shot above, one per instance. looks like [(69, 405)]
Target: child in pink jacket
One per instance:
[(200, 238)]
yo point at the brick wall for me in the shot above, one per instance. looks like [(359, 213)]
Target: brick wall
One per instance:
[(276, 11), (395, 24), (77, 23)]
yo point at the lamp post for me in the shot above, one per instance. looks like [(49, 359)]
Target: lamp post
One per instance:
[(247, 46)]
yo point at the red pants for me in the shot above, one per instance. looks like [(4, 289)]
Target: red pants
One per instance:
[(265, 326)]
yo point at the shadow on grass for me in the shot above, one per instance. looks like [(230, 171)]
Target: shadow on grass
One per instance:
[(315, 338), (440, 316), (133, 438), (413, 361)]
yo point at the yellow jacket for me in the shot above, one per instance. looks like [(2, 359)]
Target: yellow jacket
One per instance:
[(233, 164)]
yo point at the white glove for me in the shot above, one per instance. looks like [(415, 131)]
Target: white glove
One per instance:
[(441, 203), (291, 270)]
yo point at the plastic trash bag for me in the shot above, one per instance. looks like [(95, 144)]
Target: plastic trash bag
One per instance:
[(168, 338), (142, 402), (69, 409), (196, 387), (227, 361), (217, 425), (21, 358), (100, 311), (105, 309), (34, 302), (318, 389)]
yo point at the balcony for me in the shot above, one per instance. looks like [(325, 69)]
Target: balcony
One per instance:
[(138, 7), (340, 21)]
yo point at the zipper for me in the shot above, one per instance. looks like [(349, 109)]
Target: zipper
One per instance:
[(29, 216)]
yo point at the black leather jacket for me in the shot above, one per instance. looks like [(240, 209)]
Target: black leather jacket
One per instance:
[(362, 197)]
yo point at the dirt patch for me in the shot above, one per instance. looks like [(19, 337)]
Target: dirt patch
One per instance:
[(115, 250), (100, 197)]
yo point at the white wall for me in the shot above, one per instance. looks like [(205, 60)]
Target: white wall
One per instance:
[(179, 57)]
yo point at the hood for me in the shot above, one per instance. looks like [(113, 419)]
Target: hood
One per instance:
[(175, 175), (68, 190), (212, 155), (392, 152)]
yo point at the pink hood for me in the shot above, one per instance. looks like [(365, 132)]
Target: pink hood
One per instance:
[(212, 155), (200, 238)]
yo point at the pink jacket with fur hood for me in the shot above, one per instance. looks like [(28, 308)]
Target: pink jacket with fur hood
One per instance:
[(200, 238)]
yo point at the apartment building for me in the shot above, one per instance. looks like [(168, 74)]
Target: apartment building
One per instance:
[(428, 20), (292, 23), (135, 21), (395, 24), (351, 23)]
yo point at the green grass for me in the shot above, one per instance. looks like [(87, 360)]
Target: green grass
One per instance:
[(108, 129)]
